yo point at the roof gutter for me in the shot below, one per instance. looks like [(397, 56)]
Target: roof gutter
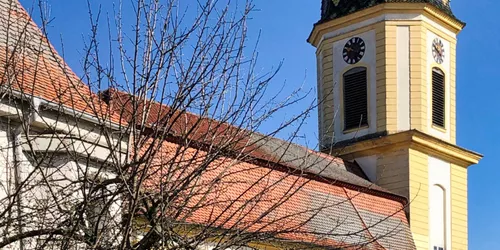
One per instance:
[(61, 107)]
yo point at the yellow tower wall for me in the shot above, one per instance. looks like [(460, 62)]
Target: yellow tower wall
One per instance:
[(419, 198), (407, 159), (408, 164), (393, 170), (387, 102)]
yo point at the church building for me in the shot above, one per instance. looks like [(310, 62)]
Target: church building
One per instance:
[(389, 174), (387, 91)]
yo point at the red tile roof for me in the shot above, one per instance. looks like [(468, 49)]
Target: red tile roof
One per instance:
[(233, 194), (31, 66), (207, 131), (325, 191)]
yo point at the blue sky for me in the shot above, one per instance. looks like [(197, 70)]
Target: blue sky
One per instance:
[(285, 25)]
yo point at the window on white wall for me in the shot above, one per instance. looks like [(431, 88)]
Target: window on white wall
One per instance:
[(438, 217), (355, 98)]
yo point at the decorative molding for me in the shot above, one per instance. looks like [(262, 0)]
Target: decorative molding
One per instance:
[(411, 139), (411, 12)]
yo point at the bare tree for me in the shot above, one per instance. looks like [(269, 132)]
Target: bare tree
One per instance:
[(155, 145)]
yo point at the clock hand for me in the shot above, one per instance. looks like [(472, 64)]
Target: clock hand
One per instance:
[(438, 50)]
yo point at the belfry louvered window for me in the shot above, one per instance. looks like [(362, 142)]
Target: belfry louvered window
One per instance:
[(438, 98), (355, 98)]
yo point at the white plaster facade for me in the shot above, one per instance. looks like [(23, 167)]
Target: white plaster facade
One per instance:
[(403, 77), (439, 220), (48, 164), (369, 166)]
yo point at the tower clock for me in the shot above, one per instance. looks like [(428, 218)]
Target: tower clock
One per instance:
[(387, 91)]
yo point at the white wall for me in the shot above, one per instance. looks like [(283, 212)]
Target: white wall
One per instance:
[(5, 158), (439, 174), (369, 166), (63, 168), (403, 77)]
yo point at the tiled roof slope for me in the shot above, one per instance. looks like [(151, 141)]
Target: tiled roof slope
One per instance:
[(332, 205), (260, 147), (30, 65), (331, 9), (312, 210)]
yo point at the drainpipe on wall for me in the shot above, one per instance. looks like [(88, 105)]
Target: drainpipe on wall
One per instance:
[(16, 136)]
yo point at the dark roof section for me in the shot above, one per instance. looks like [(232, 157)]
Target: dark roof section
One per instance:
[(332, 9), (298, 157)]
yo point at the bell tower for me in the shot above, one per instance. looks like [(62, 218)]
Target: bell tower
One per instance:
[(387, 100)]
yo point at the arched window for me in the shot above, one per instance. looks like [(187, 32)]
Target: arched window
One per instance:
[(355, 98), (437, 213), (438, 98)]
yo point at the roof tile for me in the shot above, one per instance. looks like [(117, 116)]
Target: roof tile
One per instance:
[(31, 66)]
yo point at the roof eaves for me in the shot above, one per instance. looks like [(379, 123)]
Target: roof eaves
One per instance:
[(61, 107)]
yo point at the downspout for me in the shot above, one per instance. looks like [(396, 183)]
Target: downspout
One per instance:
[(16, 137)]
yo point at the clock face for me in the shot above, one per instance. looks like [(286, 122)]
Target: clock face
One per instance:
[(438, 50), (354, 50)]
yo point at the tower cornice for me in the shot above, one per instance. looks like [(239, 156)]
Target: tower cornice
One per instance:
[(413, 139), (386, 12)]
